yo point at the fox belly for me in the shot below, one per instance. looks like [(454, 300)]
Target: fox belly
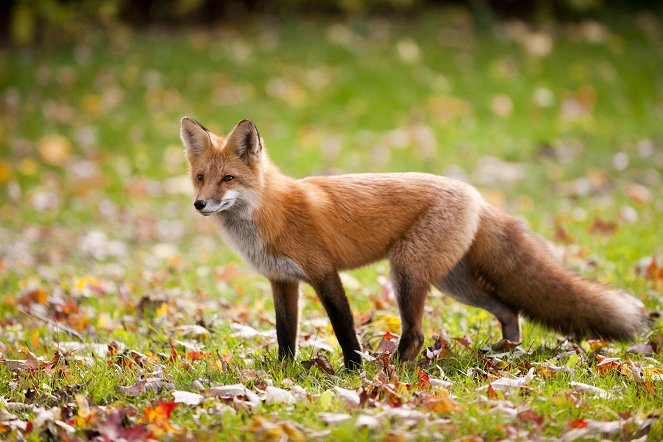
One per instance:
[(243, 236)]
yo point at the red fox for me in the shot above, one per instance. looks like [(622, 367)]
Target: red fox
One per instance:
[(433, 230)]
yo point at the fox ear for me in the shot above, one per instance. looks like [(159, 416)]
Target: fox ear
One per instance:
[(244, 139), (195, 136)]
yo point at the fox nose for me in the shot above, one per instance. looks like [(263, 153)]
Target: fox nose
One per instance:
[(199, 204)]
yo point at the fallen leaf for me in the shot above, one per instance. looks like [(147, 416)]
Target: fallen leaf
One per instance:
[(195, 355), (31, 360), (579, 423), (602, 227), (263, 430), (349, 396), (186, 397), (465, 341), (584, 428), (531, 416), (439, 382), (321, 362), (440, 349), (143, 385), (504, 345), (491, 393), (235, 391), (367, 357), (366, 421), (509, 384), (597, 344), (402, 413), (6, 416), (440, 402), (275, 395), (83, 406), (191, 330), (638, 193), (654, 273), (396, 436), (388, 343), (590, 389), (158, 417), (54, 149), (333, 418), (606, 365), (423, 380)]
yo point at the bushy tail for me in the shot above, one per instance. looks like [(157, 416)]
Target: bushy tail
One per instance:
[(529, 280)]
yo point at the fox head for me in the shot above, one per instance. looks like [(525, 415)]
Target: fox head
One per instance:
[(225, 171)]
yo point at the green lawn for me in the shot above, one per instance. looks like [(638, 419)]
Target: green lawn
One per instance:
[(560, 125)]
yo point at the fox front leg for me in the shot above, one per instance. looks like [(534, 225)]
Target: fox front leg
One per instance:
[(286, 306), (332, 295)]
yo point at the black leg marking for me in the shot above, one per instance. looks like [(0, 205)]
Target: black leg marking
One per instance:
[(330, 291), (286, 305)]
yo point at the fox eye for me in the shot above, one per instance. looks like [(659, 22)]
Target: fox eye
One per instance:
[(200, 177), (228, 178)]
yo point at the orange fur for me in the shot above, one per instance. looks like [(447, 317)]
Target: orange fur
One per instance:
[(434, 231)]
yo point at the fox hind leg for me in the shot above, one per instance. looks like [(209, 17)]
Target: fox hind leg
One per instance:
[(462, 285), (411, 293)]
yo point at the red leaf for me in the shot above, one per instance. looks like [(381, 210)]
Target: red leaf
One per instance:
[(579, 423), (365, 318), (529, 415), (173, 354), (491, 393), (423, 380), (198, 355), (388, 343), (465, 341), (602, 227), (160, 414)]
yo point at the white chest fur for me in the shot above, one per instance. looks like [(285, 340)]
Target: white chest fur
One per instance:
[(243, 236)]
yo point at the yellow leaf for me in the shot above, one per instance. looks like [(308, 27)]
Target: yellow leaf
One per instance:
[(83, 406), (389, 323), (292, 432), (54, 149), (443, 402), (104, 320), (28, 167), (5, 171), (31, 359), (396, 437), (86, 281), (91, 104), (654, 373), (9, 301), (34, 339), (271, 434), (162, 310), (325, 400)]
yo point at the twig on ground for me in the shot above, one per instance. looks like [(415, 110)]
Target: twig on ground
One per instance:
[(51, 322)]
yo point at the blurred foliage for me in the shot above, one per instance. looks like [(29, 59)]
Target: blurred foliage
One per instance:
[(33, 21)]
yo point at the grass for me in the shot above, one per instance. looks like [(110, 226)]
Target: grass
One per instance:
[(435, 94)]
